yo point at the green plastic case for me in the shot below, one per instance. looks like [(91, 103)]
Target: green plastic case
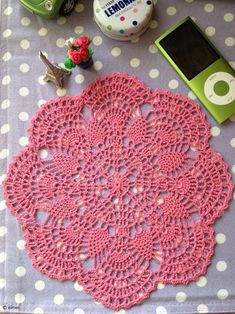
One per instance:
[(214, 86)]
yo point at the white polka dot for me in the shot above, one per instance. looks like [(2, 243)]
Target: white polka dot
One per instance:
[(38, 310), (39, 285), (79, 7), (210, 31), (24, 44), (161, 286), (98, 65), (78, 287), (23, 141), (5, 128), (61, 20), (25, 21), (78, 311), (153, 73), (3, 257), (42, 31), (5, 104), (192, 95), (7, 56), (232, 64), (23, 116), (79, 29), (23, 91), (228, 17), (202, 308), (120, 312), (222, 294), (173, 84), (3, 202), (4, 153), (8, 11), (2, 178), (181, 297), (20, 271), (161, 310), (41, 102), (135, 62), (220, 237), (153, 48), (61, 91), (171, 11), (209, 7), (2, 283), (60, 42), (3, 231), (58, 299), (19, 298), (233, 168), (24, 67), (215, 131), (7, 33), (116, 51), (97, 40), (221, 266), (41, 80), (201, 282), (153, 24), (79, 78), (232, 118), (229, 41), (232, 142), (6, 80), (20, 244)]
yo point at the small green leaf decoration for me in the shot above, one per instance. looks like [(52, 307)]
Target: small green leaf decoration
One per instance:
[(69, 64), (90, 51)]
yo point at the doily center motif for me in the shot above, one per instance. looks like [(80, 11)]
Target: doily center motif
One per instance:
[(118, 189)]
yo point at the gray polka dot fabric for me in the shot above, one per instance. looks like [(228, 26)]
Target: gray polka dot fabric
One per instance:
[(23, 289)]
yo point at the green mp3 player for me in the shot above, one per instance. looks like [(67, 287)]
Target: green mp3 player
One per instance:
[(201, 66)]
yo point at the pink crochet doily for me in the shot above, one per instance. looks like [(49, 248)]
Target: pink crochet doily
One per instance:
[(118, 189)]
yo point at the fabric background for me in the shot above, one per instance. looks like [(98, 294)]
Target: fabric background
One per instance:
[(22, 288)]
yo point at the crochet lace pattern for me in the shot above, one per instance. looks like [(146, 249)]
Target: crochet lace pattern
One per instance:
[(118, 189)]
